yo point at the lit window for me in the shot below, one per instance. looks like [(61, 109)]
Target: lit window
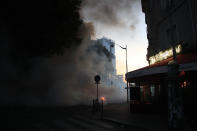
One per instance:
[(185, 84)]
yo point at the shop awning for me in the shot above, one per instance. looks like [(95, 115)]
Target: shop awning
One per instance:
[(187, 62)]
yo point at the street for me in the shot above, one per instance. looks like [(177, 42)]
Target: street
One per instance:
[(76, 118)]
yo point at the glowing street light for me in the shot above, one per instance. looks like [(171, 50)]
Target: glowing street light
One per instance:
[(102, 98), (124, 48)]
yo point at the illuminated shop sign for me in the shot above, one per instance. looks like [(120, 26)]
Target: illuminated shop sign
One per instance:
[(162, 55)]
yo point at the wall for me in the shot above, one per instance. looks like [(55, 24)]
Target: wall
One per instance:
[(164, 18)]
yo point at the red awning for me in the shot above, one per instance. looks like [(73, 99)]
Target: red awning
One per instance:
[(187, 62)]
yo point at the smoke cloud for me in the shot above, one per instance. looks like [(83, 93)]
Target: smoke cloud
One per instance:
[(110, 13), (66, 79), (69, 79), (57, 65)]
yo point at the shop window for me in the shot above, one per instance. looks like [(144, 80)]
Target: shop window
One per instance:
[(141, 94), (152, 89), (147, 94), (185, 84)]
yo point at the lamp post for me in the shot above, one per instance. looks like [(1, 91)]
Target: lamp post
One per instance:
[(102, 101), (175, 105), (125, 48)]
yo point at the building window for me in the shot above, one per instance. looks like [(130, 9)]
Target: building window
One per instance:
[(185, 84), (166, 4), (151, 4), (152, 90), (163, 4)]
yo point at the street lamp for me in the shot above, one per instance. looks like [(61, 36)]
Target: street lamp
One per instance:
[(125, 48)]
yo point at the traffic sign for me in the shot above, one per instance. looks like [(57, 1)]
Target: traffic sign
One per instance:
[(97, 79)]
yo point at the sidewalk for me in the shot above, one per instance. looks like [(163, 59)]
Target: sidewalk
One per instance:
[(143, 121)]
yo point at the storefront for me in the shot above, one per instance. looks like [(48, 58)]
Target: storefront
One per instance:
[(149, 85)]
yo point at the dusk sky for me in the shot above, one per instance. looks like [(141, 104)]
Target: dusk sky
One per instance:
[(128, 29)]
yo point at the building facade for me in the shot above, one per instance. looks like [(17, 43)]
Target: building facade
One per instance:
[(170, 23), (110, 46), (106, 48)]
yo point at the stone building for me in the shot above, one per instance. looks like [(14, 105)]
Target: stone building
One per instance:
[(105, 47), (170, 23)]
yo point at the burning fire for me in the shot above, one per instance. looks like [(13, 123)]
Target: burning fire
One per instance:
[(102, 98)]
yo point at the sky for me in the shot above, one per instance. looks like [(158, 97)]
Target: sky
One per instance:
[(125, 25)]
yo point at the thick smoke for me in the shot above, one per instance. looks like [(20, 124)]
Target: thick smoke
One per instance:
[(51, 63), (69, 79), (110, 12)]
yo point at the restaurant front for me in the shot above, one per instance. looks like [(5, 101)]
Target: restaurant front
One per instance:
[(149, 85)]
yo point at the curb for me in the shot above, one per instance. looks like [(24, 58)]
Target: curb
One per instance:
[(126, 124)]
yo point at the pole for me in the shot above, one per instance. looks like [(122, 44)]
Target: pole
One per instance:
[(175, 105), (173, 48), (102, 109), (127, 80), (126, 71), (97, 92), (126, 61), (127, 94)]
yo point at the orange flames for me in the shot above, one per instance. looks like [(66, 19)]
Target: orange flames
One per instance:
[(102, 98)]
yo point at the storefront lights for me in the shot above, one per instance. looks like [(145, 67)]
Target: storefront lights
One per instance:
[(162, 55)]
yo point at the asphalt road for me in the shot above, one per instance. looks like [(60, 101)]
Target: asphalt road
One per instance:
[(76, 118)]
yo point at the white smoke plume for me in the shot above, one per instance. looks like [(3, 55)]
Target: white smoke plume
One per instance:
[(110, 13), (60, 80), (66, 79), (70, 78)]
